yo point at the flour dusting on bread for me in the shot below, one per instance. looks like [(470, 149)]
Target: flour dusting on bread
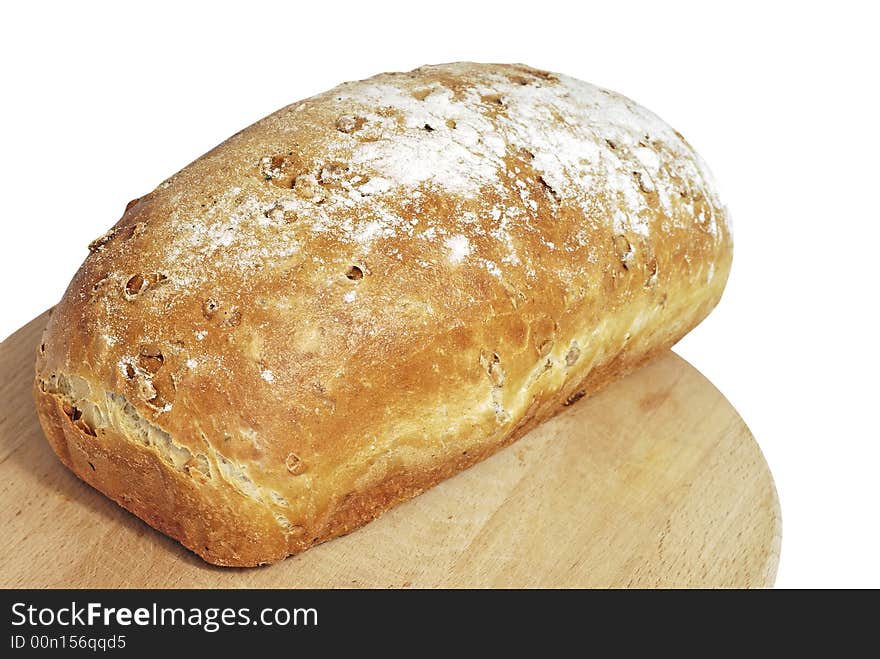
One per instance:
[(485, 138)]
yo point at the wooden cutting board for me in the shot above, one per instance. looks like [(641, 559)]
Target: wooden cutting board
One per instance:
[(654, 482)]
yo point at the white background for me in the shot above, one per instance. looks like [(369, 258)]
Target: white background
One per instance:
[(101, 103)]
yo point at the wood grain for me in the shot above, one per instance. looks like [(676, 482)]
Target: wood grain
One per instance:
[(655, 482)]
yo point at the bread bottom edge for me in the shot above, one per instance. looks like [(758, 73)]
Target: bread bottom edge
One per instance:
[(233, 533)]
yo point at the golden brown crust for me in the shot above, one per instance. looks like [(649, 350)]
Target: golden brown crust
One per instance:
[(368, 291)]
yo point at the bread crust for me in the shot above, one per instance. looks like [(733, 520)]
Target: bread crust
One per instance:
[(367, 292)]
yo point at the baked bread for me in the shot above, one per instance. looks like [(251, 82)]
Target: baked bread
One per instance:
[(368, 291)]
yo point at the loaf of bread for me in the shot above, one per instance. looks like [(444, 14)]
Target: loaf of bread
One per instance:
[(368, 291)]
